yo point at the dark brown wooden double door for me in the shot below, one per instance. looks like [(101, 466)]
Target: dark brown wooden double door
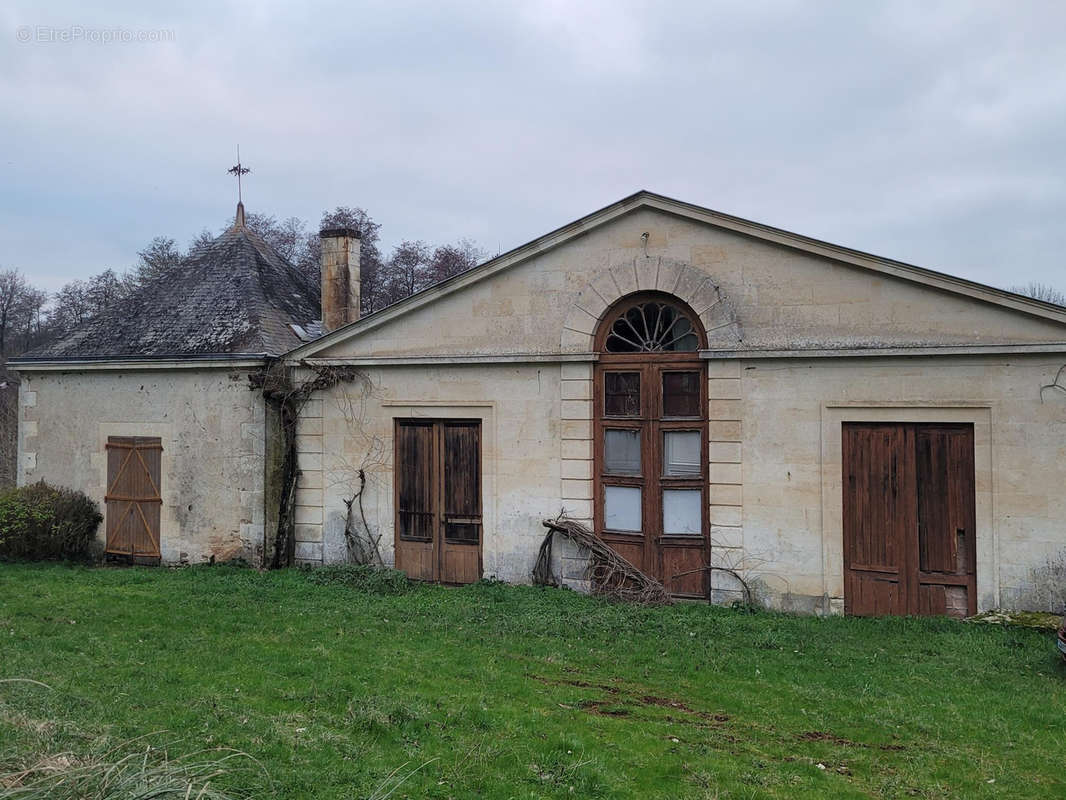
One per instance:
[(439, 528), (909, 518), (133, 501), (651, 466)]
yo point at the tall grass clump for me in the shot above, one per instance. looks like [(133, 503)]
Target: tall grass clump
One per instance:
[(149, 774)]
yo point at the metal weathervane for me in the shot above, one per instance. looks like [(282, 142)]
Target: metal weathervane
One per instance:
[(238, 170)]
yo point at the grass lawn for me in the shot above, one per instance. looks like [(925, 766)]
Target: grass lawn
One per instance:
[(518, 692)]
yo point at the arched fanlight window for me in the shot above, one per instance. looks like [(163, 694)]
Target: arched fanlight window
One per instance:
[(652, 326)]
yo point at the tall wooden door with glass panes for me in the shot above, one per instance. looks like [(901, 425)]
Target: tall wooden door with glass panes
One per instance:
[(438, 499), (651, 448)]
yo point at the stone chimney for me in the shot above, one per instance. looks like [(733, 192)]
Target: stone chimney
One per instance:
[(340, 277)]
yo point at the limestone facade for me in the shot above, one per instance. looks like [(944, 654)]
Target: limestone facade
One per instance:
[(802, 336), (212, 432), (798, 343)]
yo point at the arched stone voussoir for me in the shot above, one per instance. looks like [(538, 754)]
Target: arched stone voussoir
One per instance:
[(625, 277), (647, 272), (693, 286), (591, 302)]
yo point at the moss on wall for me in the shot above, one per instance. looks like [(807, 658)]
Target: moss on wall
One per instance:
[(9, 404)]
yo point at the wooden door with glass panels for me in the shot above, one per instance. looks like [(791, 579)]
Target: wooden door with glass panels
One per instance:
[(438, 525), (650, 457)]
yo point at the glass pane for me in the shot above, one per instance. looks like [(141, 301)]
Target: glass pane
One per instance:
[(651, 328), (681, 454), (680, 337), (621, 508), (624, 338), (686, 344), (416, 526), (462, 469), (465, 532), (621, 394), (621, 452), (681, 394), (682, 512), (415, 476)]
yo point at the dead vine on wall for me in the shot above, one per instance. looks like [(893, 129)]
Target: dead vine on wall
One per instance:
[(288, 398), (363, 546)]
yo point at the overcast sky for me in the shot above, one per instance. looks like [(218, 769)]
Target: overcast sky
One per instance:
[(934, 133)]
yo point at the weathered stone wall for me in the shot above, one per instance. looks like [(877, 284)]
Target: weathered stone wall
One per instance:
[(347, 429), (9, 395), (775, 493), (774, 426), (212, 428), (790, 478)]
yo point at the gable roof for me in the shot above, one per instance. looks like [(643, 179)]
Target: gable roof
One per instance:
[(646, 199), (232, 296)]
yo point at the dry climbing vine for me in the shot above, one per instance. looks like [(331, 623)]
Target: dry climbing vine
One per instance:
[(288, 397), (610, 574), (363, 546)]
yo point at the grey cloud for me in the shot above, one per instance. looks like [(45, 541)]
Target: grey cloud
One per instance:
[(929, 132)]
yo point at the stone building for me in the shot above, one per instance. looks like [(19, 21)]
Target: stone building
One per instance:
[(843, 431), (162, 378)]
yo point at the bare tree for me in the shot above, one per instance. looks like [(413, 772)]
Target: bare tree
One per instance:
[(1040, 291), (412, 266), (373, 284), (70, 307), (104, 289), (202, 239), (30, 322), (408, 269), (12, 291), (291, 239), (78, 301), (286, 237), (156, 259), (357, 219), (449, 260)]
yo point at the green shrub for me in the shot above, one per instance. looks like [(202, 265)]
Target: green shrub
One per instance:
[(42, 522), (373, 580)]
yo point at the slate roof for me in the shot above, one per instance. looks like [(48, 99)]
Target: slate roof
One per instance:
[(234, 295)]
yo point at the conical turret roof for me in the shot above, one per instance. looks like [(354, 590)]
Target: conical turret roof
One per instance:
[(233, 295)]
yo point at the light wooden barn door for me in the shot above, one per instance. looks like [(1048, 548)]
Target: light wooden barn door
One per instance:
[(133, 501), (439, 528)]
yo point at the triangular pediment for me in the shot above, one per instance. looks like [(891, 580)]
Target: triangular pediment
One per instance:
[(785, 291)]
